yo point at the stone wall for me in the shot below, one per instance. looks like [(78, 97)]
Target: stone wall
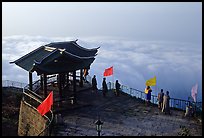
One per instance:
[(31, 123)]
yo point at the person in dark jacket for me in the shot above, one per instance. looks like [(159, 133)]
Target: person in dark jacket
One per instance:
[(117, 87), (94, 84), (148, 92), (104, 87)]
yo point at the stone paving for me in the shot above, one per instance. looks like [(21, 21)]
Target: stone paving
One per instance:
[(121, 116)]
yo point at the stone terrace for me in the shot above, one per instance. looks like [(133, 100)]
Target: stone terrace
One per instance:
[(121, 116)]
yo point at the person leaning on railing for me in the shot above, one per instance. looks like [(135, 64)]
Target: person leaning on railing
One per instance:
[(160, 99), (117, 86), (166, 108)]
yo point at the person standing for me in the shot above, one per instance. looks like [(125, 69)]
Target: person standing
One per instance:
[(94, 84), (160, 99), (104, 87), (166, 108), (148, 91), (117, 87)]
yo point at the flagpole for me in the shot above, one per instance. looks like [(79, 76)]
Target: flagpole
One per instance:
[(196, 99), (113, 80), (156, 89)]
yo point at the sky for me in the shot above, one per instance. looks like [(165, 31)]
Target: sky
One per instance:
[(141, 40), (165, 21)]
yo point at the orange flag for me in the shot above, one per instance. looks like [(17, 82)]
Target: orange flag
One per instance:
[(45, 106), (108, 71)]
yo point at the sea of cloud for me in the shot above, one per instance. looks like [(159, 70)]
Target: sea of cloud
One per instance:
[(177, 66)]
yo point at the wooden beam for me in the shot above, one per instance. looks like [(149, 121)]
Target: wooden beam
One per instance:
[(81, 78), (63, 80), (74, 84), (45, 84), (60, 85), (30, 81), (41, 82), (67, 78)]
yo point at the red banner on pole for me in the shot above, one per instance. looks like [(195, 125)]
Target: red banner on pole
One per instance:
[(108, 71), (45, 106)]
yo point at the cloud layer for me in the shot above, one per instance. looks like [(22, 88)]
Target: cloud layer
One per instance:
[(177, 66)]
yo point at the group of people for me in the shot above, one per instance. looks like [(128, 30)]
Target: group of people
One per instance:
[(104, 86), (163, 99)]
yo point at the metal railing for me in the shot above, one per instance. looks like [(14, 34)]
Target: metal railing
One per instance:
[(174, 103), (35, 86), (33, 100), (9, 83)]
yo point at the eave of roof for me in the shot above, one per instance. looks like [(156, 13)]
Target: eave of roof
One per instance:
[(45, 56)]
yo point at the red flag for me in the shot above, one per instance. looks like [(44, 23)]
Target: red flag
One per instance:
[(45, 106), (108, 71)]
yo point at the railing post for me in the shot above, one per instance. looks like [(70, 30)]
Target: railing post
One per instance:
[(41, 81), (81, 78), (130, 91), (109, 85), (195, 108), (45, 85), (153, 99), (140, 95), (74, 84), (30, 81)]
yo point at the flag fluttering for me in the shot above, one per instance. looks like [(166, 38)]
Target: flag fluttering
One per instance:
[(194, 92), (45, 106), (108, 71), (151, 82)]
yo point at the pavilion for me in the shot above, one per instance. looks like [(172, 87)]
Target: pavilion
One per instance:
[(61, 58)]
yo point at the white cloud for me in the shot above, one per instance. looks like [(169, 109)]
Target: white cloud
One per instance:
[(178, 66)]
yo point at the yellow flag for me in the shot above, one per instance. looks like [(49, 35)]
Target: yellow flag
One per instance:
[(151, 82)]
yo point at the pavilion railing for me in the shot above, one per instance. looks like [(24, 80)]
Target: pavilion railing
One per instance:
[(174, 103), (88, 78), (35, 86), (34, 100), (9, 83)]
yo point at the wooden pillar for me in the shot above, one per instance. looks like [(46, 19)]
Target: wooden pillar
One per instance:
[(30, 81), (68, 78), (60, 85), (45, 84), (63, 80), (74, 84), (81, 78), (41, 81)]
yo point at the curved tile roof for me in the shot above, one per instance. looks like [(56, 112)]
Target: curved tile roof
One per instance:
[(57, 57)]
